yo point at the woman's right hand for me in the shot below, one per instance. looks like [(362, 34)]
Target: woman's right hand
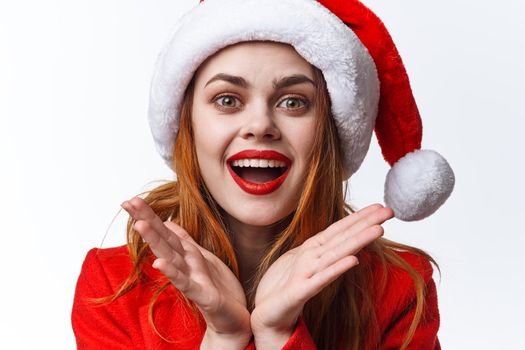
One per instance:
[(199, 275)]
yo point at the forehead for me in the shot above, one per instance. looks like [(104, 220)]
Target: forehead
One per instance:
[(258, 58)]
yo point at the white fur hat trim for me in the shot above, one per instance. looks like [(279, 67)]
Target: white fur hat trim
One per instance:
[(319, 36), (418, 184)]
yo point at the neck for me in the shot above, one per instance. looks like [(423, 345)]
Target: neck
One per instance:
[(250, 243)]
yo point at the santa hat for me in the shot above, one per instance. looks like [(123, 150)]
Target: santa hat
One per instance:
[(365, 77)]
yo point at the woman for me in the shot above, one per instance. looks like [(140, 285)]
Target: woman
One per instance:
[(263, 109)]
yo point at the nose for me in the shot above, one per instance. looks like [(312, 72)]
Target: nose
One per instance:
[(260, 125)]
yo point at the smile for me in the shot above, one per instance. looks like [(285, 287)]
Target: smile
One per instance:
[(259, 172)]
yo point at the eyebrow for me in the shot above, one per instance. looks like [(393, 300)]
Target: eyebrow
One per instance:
[(232, 79), (277, 84)]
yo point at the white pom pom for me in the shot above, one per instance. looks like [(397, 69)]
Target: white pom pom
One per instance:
[(418, 184)]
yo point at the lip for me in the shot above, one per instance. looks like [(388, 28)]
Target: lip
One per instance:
[(265, 187)]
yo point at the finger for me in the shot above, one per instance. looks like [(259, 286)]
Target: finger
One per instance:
[(140, 210), (188, 243), (185, 282), (376, 217), (156, 242), (347, 221), (349, 247), (194, 258), (187, 240), (179, 231), (177, 277), (323, 278)]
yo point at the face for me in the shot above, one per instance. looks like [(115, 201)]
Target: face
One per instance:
[(253, 119)]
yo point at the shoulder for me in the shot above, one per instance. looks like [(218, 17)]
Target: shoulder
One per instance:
[(112, 263), (400, 265), (127, 317), (111, 255), (402, 284), (404, 274), (104, 269), (107, 253), (420, 263), (401, 276)]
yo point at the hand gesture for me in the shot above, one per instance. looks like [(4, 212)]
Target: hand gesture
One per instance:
[(198, 274), (304, 271)]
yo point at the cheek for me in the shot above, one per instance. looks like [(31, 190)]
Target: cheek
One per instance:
[(204, 141), (202, 131), (212, 138), (301, 136)]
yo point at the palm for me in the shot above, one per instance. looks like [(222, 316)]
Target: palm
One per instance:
[(195, 271), (220, 275), (302, 272), (281, 288)]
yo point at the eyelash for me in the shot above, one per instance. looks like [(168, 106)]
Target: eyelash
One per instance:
[(305, 103)]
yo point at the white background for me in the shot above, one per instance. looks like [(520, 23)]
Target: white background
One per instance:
[(74, 143)]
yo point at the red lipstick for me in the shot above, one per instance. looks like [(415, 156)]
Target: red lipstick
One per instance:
[(259, 188)]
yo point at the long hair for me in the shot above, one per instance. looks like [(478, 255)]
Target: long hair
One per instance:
[(342, 315)]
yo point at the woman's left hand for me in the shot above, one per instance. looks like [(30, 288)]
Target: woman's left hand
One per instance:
[(304, 271)]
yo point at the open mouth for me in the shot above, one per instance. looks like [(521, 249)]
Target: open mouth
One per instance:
[(259, 171)]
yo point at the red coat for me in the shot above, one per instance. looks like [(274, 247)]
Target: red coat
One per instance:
[(124, 323)]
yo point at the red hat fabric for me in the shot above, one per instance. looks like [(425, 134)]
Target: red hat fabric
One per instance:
[(398, 125), (421, 183), (366, 80)]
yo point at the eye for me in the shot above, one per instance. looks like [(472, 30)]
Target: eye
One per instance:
[(293, 103), (227, 101)]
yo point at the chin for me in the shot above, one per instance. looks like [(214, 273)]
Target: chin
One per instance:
[(260, 216)]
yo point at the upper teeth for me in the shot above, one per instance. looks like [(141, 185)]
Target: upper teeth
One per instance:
[(259, 163)]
